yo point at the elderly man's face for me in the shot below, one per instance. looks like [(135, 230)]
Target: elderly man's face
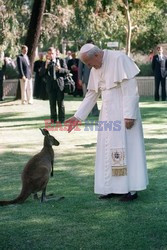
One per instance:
[(94, 61), (41, 56)]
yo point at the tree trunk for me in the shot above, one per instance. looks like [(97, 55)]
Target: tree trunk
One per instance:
[(129, 34), (129, 28), (34, 29)]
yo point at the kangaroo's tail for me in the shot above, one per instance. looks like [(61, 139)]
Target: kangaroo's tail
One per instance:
[(20, 199)]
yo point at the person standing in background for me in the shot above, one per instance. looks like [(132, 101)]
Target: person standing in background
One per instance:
[(2, 74), (68, 57), (39, 84), (157, 66), (60, 61), (53, 72), (73, 67), (25, 76), (83, 74), (38, 78)]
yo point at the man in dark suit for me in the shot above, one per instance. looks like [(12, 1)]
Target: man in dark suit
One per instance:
[(73, 67), (83, 74), (2, 73), (25, 76), (157, 67), (54, 70), (38, 79), (39, 84)]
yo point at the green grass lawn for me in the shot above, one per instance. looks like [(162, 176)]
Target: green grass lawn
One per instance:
[(81, 220)]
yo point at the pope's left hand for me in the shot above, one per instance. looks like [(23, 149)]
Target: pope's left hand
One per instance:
[(129, 123)]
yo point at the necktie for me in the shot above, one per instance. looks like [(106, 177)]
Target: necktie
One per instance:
[(52, 70), (58, 62)]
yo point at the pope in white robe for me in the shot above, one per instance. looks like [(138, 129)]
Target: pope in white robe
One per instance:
[(120, 166)]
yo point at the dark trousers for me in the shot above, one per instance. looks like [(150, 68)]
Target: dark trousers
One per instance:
[(56, 100), (158, 81), (18, 91), (1, 90), (95, 110), (37, 86)]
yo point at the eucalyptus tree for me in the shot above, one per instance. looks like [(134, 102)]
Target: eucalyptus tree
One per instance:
[(13, 24), (144, 25), (92, 19), (34, 29), (135, 24)]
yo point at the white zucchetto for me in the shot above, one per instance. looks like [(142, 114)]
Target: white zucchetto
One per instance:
[(86, 47)]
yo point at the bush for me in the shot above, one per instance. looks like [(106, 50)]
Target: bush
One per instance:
[(11, 73), (145, 69)]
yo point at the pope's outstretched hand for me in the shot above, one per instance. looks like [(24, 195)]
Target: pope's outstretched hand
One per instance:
[(72, 123)]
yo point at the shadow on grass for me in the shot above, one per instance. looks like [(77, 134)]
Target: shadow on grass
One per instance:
[(80, 221), (158, 143), (8, 100), (68, 173), (149, 115), (70, 98), (35, 122), (147, 99), (78, 169), (6, 117), (90, 145), (9, 115)]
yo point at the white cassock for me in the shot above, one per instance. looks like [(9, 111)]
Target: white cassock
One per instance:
[(120, 156)]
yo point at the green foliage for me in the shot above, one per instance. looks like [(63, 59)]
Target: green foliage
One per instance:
[(14, 18), (11, 73), (75, 21), (145, 69), (150, 28)]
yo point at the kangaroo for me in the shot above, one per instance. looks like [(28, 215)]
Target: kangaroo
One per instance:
[(36, 173)]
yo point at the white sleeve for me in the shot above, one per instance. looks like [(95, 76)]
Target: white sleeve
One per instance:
[(87, 104), (130, 98)]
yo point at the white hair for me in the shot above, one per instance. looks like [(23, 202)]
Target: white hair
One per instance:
[(90, 53)]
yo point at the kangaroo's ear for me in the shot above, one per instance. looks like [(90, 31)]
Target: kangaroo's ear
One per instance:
[(44, 131)]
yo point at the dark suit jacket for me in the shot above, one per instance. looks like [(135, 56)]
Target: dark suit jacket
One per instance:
[(2, 72), (74, 71), (24, 68), (52, 79), (75, 62), (63, 63), (83, 72), (156, 66), (37, 66)]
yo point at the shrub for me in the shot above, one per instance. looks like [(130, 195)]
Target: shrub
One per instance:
[(145, 69), (11, 73)]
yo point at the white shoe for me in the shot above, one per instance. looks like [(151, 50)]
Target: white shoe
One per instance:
[(30, 102)]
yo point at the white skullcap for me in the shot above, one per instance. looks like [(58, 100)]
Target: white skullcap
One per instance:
[(86, 47)]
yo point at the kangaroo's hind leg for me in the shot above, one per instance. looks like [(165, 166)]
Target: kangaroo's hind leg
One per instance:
[(43, 196)]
